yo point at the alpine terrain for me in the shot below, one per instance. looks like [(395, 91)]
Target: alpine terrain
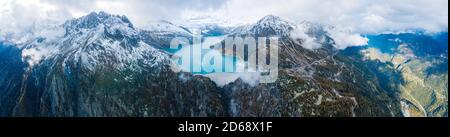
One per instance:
[(102, 65)]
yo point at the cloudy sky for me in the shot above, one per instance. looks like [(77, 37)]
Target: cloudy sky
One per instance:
[(357, 16)]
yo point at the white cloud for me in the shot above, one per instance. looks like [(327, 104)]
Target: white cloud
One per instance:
[(344, 39), (355, 16), (358, 16), (222, 79), (19, 18), (308, 42)]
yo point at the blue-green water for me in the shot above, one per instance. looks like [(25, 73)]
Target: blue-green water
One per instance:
[(188, 52)]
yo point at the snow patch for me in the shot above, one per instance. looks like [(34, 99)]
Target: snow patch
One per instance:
[(35, 55), (319, 100)]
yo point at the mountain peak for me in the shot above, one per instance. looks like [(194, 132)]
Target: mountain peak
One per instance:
[(94, 19), (114, 26), (270, 18), (272, 25)]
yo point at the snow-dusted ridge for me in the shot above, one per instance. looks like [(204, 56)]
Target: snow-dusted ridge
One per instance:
[(95, 39), (164, 27), (101, 38)]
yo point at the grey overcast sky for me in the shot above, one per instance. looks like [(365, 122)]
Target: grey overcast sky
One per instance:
[(358, 16)]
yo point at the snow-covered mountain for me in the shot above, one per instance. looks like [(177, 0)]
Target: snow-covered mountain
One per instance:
[(96, 39), (164, 27), (101, 65), (269, 25)]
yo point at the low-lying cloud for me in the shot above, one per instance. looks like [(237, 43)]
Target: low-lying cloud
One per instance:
[(344, 39), (18, 17)]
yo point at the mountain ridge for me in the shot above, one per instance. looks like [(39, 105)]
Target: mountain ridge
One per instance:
[(103, 66)]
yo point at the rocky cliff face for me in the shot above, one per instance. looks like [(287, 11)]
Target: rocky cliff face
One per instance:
[(415, 66), (100, 65), (318, 82)]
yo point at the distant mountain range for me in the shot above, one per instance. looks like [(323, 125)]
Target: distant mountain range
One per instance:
[(414, 65), (102, 65)]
